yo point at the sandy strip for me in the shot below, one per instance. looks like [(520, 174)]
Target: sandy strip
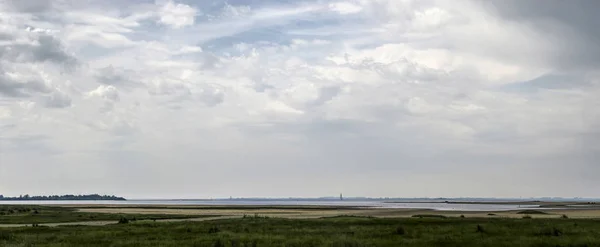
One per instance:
[(104, 223), (374, 212)]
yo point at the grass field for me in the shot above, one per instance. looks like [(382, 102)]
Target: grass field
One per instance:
[(333, 231), (26, 214)]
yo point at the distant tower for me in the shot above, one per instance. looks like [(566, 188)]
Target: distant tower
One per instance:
[(341, 197)]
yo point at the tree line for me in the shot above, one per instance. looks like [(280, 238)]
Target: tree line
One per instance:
[(92, 197)]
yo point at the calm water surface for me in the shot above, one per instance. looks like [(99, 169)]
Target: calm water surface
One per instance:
[(373, 203)]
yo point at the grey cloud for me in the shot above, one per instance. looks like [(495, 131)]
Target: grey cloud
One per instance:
[(115, 76), (262, 87), (165, 88), (58, 99), (326, 94), (49, 49), (28, 143), (572, 26), (11, 87), (359, 145), (211, 95), (116, 127), (112, 94), (30, 6), (123, 128), (548, 81), (6, 36), (208, 94)]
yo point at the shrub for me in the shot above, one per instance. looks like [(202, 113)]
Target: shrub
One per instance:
[(531, 212), (428, 216), (564, 216), (550, 232), (400, 230), (527, 217), (218, 243), (6, 236), (462, 215), (347, 243), (556, 232), (490, 214), (214, 229), (480, 229), (123, 220)]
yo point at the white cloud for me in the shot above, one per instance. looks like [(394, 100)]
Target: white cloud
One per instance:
[(5, 112), (190, 49), (177, 15), (372, 90), (345, 8), (108, 92)]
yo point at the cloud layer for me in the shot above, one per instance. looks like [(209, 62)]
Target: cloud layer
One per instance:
[(174, 98)]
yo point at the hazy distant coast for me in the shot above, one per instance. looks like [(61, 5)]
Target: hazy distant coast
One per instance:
[(92, 197)]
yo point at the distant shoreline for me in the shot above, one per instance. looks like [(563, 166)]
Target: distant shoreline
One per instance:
[(92, 197)]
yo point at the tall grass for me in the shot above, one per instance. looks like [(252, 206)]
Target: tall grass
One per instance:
[(341, 231)]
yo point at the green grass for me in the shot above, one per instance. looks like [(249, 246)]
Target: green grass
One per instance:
[(339, 231), (21, 214)]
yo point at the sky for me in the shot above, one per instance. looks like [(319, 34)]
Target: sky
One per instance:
[(307, 98)]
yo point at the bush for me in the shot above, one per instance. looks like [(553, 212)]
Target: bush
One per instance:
[(6, 236), (480, 229), (123, 220), (564, 216), (428, 216), (531, 212), (400, 230), (556, 232), (551, 232), (218, 243), (214, 229), (462, 216), (527, 217), (490, 214)]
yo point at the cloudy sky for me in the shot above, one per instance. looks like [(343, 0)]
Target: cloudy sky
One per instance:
[(278, 98)]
